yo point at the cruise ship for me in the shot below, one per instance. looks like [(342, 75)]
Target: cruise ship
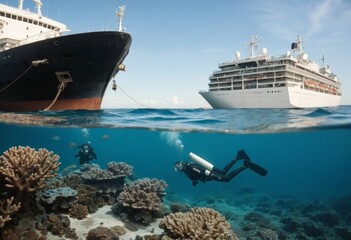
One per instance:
[(44, 68), (261, 81)]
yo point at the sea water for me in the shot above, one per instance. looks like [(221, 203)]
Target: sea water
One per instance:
[(307, 153)]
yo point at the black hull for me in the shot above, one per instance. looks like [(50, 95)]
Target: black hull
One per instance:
[(91, 59)]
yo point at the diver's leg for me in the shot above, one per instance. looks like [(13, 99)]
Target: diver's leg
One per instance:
[(226, 178), (235, 172), (241, 155)]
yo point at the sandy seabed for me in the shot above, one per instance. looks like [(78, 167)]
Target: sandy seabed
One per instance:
[(104, 217)]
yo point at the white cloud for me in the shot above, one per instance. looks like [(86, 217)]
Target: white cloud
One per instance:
[(320, 14)]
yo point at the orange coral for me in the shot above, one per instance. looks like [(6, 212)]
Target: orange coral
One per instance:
[(26, 170)]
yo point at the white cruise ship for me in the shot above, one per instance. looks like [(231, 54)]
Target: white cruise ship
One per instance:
[(262, 81)]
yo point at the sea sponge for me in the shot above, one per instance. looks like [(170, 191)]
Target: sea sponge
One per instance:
[(197, 224), (26, 170)]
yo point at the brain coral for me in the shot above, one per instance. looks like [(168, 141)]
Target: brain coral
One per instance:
[(197, 224)]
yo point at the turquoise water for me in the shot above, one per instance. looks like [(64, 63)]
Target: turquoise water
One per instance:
[(307, 152)]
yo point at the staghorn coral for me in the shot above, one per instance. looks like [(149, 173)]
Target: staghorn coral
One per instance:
[(78, 211), (120, 169), (25, 170), (6, 209), (197, 224)]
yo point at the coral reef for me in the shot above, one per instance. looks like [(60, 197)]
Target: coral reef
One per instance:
[(78, 211), (143, 194), (97, 174), (58, 198), (197, 224), (115, 170), (141, 200), (6, 209), (59, 225), (87, 197), (120, 169), (102, 233), (26, 170)]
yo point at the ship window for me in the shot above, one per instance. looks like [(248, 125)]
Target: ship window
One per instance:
[(40, 24), (8, 15), (20, 18), (45, 25), (30, 20), (36, 22), (14, 17), (2, 14), (25, 19)]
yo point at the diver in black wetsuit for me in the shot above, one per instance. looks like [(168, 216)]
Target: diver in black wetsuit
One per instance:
[(86, 153), (204, 171)]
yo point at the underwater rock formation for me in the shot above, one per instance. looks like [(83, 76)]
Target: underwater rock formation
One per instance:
[(197, 224)]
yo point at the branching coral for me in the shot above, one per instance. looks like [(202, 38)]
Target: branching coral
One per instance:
[(78, 211), (143, 194), (97, 174), (26, 170), (197, 224), (6, 209), (120, 169)]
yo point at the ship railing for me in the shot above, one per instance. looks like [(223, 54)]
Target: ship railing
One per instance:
[(41, 36)]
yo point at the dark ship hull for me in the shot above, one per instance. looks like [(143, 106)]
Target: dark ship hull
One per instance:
[(31, 74)]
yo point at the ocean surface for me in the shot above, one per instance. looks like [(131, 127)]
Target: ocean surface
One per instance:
[(307, 152)]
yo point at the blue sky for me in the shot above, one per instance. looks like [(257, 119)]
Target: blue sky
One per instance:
[(177, 44)]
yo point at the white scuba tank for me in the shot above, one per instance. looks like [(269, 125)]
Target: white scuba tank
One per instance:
[(201, 161)]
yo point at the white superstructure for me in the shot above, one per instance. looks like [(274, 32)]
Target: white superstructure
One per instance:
[(20, 26), (262, 81)]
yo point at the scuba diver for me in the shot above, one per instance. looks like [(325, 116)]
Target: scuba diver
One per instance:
[(201, 170), (86, 153)]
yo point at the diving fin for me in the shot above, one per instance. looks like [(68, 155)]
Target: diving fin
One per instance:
[(254, 167), (242, 155)]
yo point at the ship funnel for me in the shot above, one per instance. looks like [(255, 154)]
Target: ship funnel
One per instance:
[(294, 46)]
